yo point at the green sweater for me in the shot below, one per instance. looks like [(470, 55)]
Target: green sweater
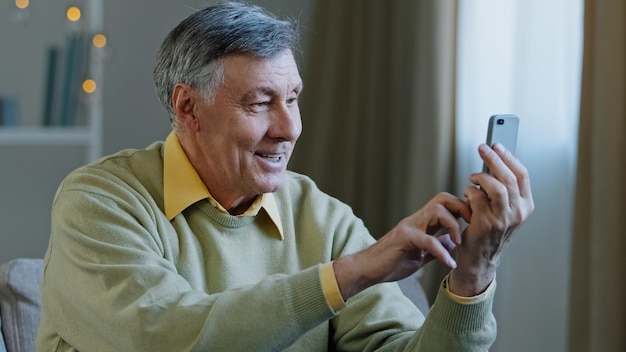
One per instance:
[(120, 277)]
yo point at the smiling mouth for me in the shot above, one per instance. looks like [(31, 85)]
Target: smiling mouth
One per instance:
[(270, 157)]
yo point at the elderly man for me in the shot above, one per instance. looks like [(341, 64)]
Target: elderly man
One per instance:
[(206, 242)]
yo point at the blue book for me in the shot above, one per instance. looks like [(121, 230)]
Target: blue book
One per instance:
[(9, 111), (74, 68), (52, 102)]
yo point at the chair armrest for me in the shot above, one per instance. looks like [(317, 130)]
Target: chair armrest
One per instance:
[(20, 303)]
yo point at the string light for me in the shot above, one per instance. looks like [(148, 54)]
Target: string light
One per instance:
[(20, 13), (99, 40), (21, 4), (73, 13), (89, 86)]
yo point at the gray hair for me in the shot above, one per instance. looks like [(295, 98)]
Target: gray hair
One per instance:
[(191, 53)]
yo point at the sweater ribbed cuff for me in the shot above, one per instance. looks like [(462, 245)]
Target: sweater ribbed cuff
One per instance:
[(462, 318), (468, 300), (306, 299)]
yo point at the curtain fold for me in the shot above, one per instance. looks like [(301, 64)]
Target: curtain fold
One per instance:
[(598, 289), (378, 107)]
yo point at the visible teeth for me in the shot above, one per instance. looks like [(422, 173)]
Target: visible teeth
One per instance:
[(271, 157)]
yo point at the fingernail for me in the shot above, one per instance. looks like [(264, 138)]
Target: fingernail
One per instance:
[(452, 263), (498, 147)]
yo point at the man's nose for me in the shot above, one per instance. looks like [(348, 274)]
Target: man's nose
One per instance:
[(286, 123)]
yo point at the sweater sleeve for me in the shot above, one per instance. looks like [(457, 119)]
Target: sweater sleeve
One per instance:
[(109, 287), (382, 319)]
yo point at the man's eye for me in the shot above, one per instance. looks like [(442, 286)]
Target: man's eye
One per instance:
[(292, 101), (259, 106)]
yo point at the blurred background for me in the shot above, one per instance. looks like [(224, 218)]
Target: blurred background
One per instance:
[(397, 98)]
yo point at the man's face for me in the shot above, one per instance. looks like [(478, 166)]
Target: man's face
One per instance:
[(248, 133)]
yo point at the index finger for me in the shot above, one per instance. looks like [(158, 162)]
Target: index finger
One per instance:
[(454, 205), (517, 168), (454, 208)]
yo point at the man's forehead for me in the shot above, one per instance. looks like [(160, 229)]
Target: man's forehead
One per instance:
[(262, 75)]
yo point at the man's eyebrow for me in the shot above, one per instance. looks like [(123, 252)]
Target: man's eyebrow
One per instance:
[(265, 90), (255, 92)]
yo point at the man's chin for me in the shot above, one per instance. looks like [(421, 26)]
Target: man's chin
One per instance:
[(272, 183)]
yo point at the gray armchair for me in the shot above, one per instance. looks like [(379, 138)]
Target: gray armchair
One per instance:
[(20, 304)]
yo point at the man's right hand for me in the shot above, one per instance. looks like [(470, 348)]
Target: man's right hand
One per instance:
[(406, 248)]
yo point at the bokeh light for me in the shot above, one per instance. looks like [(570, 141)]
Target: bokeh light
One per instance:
[(73, 13), (99, 40), (21, 4), (89, 86)]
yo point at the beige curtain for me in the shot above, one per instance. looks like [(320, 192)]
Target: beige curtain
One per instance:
[(378, 107), (598, 297)]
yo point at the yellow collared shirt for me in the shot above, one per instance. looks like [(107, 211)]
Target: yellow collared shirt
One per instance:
[(183, 187)]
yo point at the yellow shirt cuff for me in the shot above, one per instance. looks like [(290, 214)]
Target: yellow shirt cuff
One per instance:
[(468, 300), (330, 287)]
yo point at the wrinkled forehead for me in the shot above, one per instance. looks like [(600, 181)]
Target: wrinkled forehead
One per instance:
[(276, 73)]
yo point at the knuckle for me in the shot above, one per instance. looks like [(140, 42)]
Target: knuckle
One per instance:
[(429, 241), (498, 192), (446, 195), (440, 197), (518, 217), (509, 180), (439, 209), (404, 227), (523, 171)]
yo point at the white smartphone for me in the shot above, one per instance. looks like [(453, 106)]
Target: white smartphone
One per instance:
[(502, 129)]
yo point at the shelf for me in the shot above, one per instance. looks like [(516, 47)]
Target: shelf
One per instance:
[(46, 136), (87, 136)]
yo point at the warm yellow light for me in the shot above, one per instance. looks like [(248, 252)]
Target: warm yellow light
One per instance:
[(89, 86), (73, 13), (99, 40), (21, 4)]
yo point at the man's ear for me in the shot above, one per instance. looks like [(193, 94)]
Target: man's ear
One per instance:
[(183, 101)]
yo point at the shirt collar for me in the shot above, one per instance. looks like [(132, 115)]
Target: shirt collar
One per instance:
[(183, 187)]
